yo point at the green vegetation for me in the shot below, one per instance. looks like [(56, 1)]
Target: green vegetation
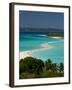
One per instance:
[(56, 34), (35, 68)]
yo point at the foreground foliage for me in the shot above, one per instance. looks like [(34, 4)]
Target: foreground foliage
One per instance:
[(30, 67)]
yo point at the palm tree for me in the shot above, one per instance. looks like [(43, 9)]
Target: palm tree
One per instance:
[(54, 67), (48, 64), (61, 67)]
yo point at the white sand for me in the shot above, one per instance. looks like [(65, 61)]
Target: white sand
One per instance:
[(56, 37), (25, 54)]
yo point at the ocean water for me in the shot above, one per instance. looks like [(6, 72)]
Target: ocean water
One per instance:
[(32, 41)]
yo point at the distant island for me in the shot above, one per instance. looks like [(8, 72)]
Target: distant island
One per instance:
[(44, 30), (56, 34), (51, 32)]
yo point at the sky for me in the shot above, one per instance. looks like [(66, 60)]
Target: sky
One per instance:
[(37, 19)]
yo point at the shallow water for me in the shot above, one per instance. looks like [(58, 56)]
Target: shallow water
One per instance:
[(33, 41)]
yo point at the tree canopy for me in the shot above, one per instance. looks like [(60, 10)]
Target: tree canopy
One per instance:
[(30, 67)]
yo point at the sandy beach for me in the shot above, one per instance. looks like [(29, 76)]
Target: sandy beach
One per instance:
[(29, 53), (57, 37)]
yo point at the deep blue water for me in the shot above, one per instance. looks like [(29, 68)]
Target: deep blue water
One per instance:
[(31, 41)]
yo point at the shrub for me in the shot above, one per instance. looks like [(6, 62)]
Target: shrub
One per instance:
[(31, 65)]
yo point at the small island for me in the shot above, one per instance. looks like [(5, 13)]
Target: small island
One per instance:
[(55, 34)]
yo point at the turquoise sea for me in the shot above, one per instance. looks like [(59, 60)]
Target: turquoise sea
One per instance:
[(31, 41)]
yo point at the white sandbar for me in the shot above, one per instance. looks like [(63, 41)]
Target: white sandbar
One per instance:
[(29, 53)]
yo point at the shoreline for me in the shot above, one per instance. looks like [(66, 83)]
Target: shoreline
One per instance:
[(57, 37), (24, 54)]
